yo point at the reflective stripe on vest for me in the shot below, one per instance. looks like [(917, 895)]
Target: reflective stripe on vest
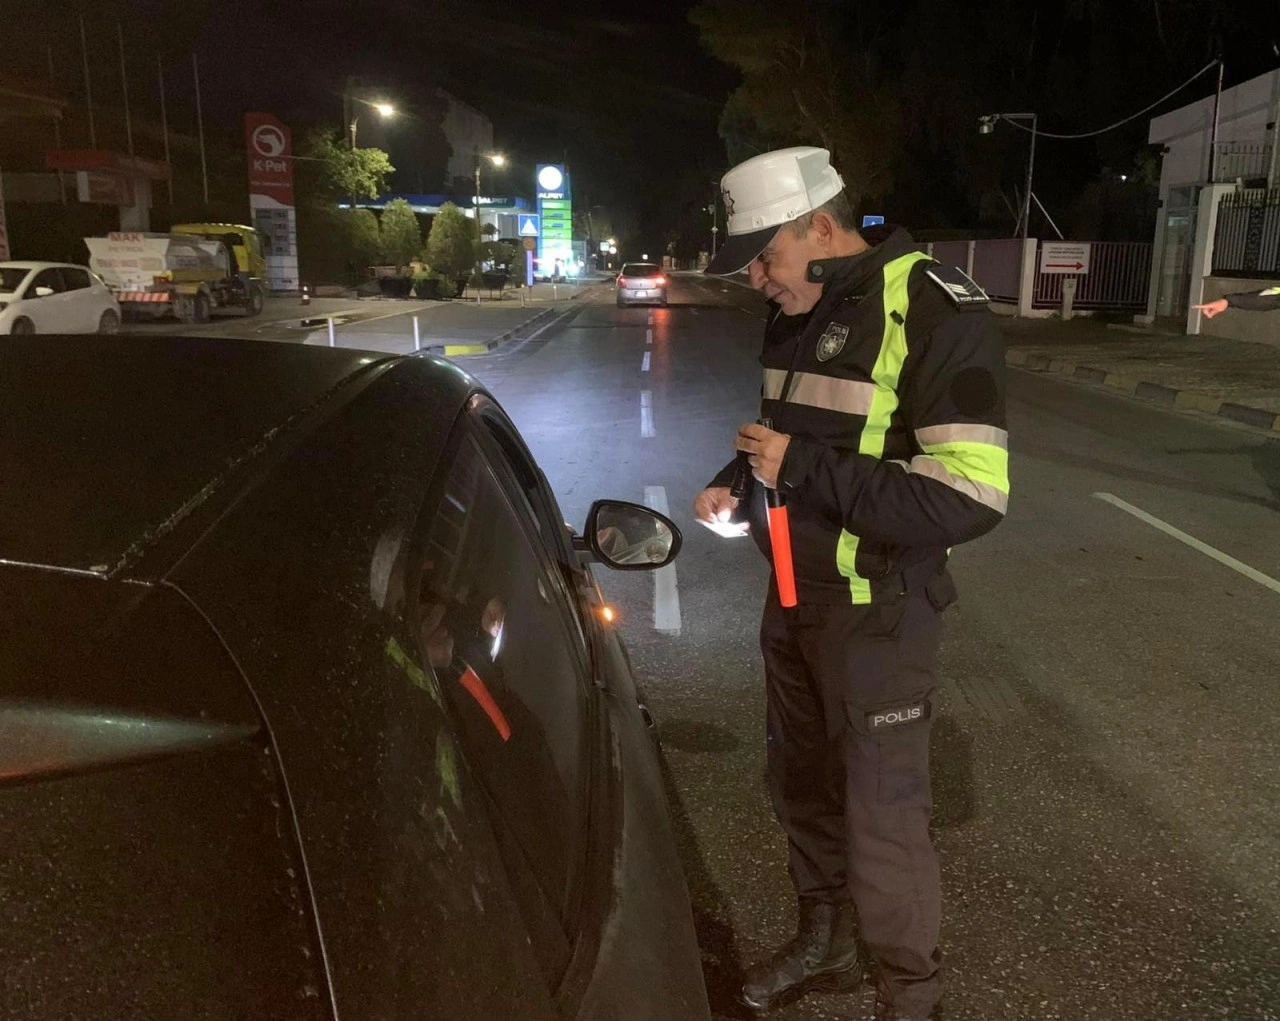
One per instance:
[(850, 396), (970, 458), (884, 402)]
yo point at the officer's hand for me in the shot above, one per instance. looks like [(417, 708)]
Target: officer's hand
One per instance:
[(714, 504), (767, 449), (1212, 308)]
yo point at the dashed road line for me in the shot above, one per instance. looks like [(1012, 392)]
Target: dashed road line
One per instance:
[(646, 415), (644, 366), (666, 590)]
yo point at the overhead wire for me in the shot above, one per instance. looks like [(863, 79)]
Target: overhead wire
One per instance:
[(1111, 127)]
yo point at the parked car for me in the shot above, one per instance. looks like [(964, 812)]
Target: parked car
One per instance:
[(310, 705), (641, 282), (54, 297)]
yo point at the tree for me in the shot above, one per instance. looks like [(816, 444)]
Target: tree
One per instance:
[(336, 245), (401, 235), (362, 235), (450, 247), (341, 172), (813, 73)]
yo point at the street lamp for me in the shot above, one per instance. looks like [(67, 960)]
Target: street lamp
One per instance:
[(986, 125), (383, 109), (498, 160)]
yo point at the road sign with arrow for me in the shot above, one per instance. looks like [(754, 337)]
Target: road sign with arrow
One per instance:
[(1064, 257)]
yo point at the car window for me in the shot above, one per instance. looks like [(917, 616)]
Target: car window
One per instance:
[(11, 277), (508, 455), (640, 269), (75, 278), (487, 608), (51, 278)]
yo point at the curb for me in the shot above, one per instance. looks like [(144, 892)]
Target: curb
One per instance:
[(485, 346), (1187, 399)]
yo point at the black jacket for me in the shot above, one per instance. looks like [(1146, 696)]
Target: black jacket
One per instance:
[(892, 390), (1267, 300)]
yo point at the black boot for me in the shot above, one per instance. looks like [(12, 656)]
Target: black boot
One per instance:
[(821, 957)]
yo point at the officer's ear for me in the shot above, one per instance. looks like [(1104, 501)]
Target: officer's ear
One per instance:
[(824, 229)]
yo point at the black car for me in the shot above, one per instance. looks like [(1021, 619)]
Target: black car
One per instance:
[(309, 705)]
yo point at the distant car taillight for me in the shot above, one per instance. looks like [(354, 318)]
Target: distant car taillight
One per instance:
[(659, 281)]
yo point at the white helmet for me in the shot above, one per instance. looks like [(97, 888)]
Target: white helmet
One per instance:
[(767, 191)]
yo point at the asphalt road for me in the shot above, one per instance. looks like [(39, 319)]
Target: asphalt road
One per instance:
[(1106, 782)]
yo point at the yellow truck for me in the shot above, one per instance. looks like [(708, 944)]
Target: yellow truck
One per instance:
[(190, 272)]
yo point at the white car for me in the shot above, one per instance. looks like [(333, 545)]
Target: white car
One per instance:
[(54, 297)]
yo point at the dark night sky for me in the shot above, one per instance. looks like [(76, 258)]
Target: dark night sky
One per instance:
[(627, 99), (623, 92)]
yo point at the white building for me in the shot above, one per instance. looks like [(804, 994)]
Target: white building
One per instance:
[(469, 132), (1196, 173)]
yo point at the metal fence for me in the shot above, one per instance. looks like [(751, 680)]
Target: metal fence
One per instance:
[(1234, 160), (997, 267), (1246, 242), (1117, 280), (951, 253)]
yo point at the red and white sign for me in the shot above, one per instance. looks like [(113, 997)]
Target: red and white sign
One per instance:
[(104, 188), (1064, 256), (270, 158)]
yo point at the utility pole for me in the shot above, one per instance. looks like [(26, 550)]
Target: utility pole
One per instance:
[(1213, 142), (88, 87), (1031, 162), (164, 124), (124, 84), (204, 166)]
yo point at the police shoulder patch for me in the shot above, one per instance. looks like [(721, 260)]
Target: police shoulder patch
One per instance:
[(957, 285), (832, 341)]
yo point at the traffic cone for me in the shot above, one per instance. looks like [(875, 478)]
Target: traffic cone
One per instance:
[(306, 295)]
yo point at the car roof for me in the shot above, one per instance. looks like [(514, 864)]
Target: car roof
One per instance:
[(108, 443), (22, 264), (219, 228)]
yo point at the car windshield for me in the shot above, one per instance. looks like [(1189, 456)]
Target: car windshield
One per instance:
[(640, 269), (231, 239), (11, 277)]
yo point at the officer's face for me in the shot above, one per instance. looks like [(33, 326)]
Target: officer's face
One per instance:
[(780, 270)]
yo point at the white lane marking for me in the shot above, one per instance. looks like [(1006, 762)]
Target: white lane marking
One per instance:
[(644, 366), (1253, 575), (666, 591), (650, 318), (648, 336), (646, 414)]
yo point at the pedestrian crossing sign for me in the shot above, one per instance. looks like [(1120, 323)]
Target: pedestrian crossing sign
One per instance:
[(529, 227)]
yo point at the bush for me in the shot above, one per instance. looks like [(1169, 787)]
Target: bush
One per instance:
[(401, 235), (450, 248), (430, 286), (336, 245)]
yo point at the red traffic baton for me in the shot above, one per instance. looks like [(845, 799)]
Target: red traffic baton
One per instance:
[(780, 541)]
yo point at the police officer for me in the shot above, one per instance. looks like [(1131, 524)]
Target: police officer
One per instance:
[(884, 383)]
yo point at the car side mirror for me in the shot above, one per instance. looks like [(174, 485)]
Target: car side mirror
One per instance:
[(629, 537), (43, 292)]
